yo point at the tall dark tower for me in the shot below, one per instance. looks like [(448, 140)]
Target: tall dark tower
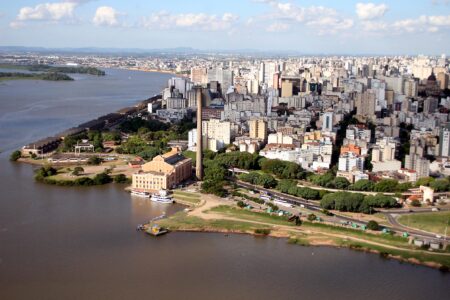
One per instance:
[(199, 158)]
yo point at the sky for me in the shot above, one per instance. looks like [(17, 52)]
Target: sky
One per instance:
[(309, 27)]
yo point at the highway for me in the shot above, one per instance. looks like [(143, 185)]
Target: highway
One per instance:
[(314, 206)]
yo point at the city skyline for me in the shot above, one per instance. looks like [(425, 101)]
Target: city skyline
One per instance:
[(353, 27)]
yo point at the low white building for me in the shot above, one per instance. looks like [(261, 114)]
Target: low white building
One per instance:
[(280, 139)]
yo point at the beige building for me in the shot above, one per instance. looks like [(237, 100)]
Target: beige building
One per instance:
[(163, 172), (280, 139), (216, 134), (287, 88), (365, 104), (258, 129), (198, 75), (443, 80)]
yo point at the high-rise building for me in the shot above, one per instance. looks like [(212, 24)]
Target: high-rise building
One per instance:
[(287, 88), (430, 105), (443, 80), (383, 156), (349, 161), (444, 141), (198, 75), (258, 129), (417, 163), (199, 153), (269, 72), (411, 88), (327, 122), (224, 77), (216, 134), (182, 85), (365, 104), (176, 103)]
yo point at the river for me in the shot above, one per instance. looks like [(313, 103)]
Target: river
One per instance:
[(81, 243)]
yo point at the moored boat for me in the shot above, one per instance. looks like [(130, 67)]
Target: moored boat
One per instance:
[(140, 193), (162, 197)]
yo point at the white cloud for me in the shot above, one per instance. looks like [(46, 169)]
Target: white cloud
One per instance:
[(439, 20), (421, 24), (47, 11), (106, 16), (300, 14), (16, 24), (323, 20), (330, 25), (369, 11), (200, 21), (374, 26), (277, 27)]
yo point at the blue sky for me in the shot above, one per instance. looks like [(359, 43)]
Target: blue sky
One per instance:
[(339, 26)]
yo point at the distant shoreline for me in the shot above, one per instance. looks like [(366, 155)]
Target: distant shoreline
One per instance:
[(153, 71)]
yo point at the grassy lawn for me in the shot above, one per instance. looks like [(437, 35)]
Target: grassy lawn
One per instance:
[(379, 238), (250, 215), (193, 198), (423, 257), (325, 228), (181, 221), (431, 222), (378, 217)]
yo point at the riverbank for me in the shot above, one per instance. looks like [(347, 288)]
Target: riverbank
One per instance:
[(156, 71), (50, 76), (223, 216)]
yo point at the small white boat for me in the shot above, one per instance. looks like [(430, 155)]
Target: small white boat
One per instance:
[(162, 197), (140, 194)]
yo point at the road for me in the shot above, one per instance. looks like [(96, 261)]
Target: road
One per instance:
[(313, 206)]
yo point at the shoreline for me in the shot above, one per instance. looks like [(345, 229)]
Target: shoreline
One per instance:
[(207, 218), (288, 238), (151, 71)]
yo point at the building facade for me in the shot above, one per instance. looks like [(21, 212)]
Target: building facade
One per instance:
[(163, 172)]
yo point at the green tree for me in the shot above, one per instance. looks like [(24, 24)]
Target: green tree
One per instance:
[(267, 181), (363, 185), (425, 181), (342, 201), (94, 160), (341, 183), (377, 201), (312, 217), (373, 225), (241, 204), (386, 186), (77, 171), (213, 187), (102, 178), (15, 155), (112, 136), (323, 180), (403, 187), (308, 193), (44, 172), (121, 178), (215, 172), (285, 184), (440, 185)]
